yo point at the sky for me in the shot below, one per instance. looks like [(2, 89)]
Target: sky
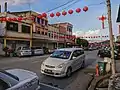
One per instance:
[(84, 23)]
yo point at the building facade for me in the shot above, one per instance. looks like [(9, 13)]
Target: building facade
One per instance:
[(33, 32), (13, 33), (65, 34)]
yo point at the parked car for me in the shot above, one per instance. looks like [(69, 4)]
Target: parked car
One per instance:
[(45, 50), (18, 79), (24, 51), (63, 62), (51, 51), (37, 51)]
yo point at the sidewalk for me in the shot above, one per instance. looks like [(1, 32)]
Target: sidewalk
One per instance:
[(76, 85)]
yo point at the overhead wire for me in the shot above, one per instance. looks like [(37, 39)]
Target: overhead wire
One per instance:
[(60, 6)]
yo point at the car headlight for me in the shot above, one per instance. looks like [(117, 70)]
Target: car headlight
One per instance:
[(61, 65)]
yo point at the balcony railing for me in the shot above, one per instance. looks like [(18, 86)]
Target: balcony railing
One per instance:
[(17, 34)]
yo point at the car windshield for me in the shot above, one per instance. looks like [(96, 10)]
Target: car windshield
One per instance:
[(61, 54)]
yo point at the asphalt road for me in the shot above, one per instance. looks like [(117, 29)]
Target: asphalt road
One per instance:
[(34, 63)]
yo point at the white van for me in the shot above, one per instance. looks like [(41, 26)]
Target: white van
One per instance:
[(63, 62)]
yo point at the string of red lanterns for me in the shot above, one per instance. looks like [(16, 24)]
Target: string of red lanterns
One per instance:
[(82, 37), (64, 13)]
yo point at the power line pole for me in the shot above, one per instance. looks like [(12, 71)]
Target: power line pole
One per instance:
[(111, 36)]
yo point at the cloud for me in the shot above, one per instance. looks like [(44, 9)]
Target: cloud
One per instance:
[(16, 2), (87, 33)]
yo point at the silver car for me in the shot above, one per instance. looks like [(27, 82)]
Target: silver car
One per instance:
[(24, 51), (63, 62), (18, 79), (37, 51)]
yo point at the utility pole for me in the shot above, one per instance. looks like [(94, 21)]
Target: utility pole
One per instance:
[(111, 36)]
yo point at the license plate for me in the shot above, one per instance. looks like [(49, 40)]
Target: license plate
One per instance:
[(46, 70)]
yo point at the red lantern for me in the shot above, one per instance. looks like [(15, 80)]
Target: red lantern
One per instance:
[(39, 16), (4, 19), (85, 9), (10, 19), (0, 19), (52, 15), (70, 11), (64, 13), (14, 19), (58, 14), (19, 18), (78, 10), (44, 15)]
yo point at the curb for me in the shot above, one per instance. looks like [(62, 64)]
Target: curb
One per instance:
[(96, 80)]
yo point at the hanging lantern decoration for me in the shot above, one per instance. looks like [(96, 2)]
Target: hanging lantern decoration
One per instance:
[(85, 9), (58, 14), (9, 19), (40, 16), (44, 15), (19, 18), (32, 17), (64, 13), (52, 15), (78, 10), (70, 11), (4, 19), (0, 19), (14, 19)]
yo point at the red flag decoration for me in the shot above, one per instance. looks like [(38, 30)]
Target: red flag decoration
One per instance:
[(103, 18)]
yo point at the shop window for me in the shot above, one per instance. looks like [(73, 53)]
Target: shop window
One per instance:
[(25, 29), (12, 26)]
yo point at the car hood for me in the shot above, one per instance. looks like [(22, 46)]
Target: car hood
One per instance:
[(54, 61), (22, 74)]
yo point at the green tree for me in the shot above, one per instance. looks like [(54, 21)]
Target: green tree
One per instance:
[(82, 42)]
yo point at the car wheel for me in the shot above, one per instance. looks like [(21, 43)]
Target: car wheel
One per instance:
[(83, 64), (69, 72)]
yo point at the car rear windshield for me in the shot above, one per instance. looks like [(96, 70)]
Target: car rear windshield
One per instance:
[(61, 54), (25, 48), (6, 73)]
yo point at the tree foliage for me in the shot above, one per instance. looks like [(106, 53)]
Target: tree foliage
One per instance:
[(82, 42)]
